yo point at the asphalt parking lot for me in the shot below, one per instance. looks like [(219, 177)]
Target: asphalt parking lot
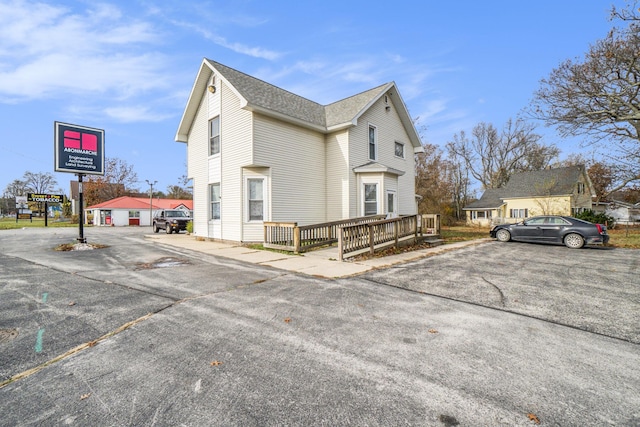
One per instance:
[(493, 334)]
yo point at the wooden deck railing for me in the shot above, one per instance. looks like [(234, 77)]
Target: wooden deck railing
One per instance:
[(291, 237), (359, 238), (354, 235)]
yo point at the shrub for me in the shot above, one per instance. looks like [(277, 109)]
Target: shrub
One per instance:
[(190, 227), (596, 218)]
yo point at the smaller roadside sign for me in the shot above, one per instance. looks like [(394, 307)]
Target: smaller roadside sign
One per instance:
[(51, 198), (21, 202)]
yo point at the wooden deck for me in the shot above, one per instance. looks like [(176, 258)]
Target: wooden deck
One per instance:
[(353, 236)]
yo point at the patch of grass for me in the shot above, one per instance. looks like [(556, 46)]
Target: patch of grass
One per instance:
[(11, 224), (620, 237), (453, 234), (624, 237), (260, 247)]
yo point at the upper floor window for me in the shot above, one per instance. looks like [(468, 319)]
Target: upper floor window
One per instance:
[(581, 188), (373, 142), (399, 149), (214, 136)]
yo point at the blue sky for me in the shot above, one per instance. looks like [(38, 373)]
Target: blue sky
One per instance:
[(128, 66)]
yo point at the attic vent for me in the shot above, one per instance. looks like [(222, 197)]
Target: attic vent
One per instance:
[(386, 99)]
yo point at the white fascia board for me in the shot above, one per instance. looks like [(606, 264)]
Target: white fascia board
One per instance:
[(190, 110), (284, 117)]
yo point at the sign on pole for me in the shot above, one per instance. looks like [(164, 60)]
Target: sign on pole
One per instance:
[(50, 198), (78, 149)]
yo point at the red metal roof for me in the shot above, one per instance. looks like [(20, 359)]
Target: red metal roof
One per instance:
[(126, 202)]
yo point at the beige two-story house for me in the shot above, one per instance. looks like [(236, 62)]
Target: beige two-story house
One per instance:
[(559, 191), (257, 153)]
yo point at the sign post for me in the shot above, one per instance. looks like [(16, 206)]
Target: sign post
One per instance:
[(79, 150)]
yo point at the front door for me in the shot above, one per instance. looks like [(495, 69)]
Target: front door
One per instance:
[(392, 206)]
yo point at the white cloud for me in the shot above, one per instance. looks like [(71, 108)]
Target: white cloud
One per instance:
[(51, 52), (134, 113), (253, 51)]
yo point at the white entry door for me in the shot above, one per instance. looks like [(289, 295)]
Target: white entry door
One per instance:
[(392, 206)]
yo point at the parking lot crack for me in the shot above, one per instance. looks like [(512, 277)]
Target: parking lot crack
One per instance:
[(498, 289)]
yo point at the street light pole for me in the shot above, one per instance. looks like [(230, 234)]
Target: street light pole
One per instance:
[(151, 184)]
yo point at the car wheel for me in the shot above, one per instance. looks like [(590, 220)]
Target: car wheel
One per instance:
[(573, 241), (155, 228), (167, 228), (503, 235)]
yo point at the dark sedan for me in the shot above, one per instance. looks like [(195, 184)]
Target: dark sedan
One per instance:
[(571, 232)]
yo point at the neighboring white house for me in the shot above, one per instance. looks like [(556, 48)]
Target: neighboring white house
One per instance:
[(256, 153), (127, 210), (623, 212)]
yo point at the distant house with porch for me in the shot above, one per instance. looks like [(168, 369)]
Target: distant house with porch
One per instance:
[(125, 210), (559, 191), (257, 153)]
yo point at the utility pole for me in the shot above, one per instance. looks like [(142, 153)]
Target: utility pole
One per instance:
[(151, 184)]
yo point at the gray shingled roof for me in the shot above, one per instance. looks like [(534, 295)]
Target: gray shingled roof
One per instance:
[(345, 110), (265, 95), (491, 199), (546, 182)]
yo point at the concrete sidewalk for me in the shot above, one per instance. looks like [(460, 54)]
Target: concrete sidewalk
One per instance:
[(319, 263)]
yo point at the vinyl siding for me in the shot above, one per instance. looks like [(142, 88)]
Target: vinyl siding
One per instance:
[(296, 158), (197, 162), (214, 165), (389, 130), (235, 151), (541, 205), (338, 175)]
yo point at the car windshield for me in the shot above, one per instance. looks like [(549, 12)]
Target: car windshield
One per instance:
[(176, 214)]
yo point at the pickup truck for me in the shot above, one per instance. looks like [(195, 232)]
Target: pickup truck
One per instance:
[(170, 220)]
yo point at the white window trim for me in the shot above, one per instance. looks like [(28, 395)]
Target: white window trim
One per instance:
[(378, 196), (211, 202), (209, 136), (375, 142), (265, 198), (394, 149)]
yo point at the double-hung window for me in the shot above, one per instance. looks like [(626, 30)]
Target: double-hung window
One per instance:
[(373, 142), (214, 197), (370, 199), (256, 199), (214, 136)]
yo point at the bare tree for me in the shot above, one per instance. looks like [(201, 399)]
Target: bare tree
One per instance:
[(178, 192), (119, 180), (491, 156), (16, 188), (434, 182), (598, 96), (40, 183)]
